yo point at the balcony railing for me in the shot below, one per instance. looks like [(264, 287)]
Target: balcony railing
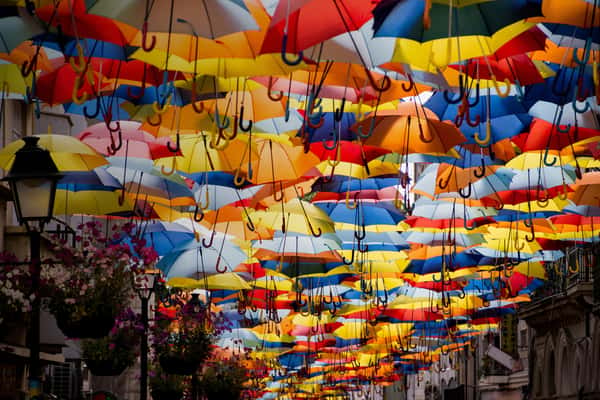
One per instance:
[(564, 275)]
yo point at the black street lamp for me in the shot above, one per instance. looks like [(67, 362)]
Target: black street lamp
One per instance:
[(33, 178), (145, 285)]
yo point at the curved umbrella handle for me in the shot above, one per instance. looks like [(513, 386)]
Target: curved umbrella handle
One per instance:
[(488, 135), (116, 147), (346, 261), (238, 179), (466, 194), (207, 201), (316, 233), (476, 97), (461, 92), (364, 249), (475, 122), (198, 214), (480, 171), (567, 127), (220, 269), (497, 87), (422, 137), (210, 242), (218, 141), (177, 147), (361, 233), (532, 237), (75, 93), (218, 123), (386, 82), (82, 66), (586, 53), (442, 184), (578, 110), (548, 163), (92, 115), (154, 122), (244, 128), (334, 144), (411, 84), (147, 46), (164, 171), (466, 224), (369, 133), (108, 122), (315, 125), (354, 204), (286, 60), (272, 96)]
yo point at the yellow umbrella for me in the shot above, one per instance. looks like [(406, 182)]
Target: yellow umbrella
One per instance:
[(225, 281), (69, 153), (535, 159), (90, 202), (297, 216), (200, 156), (264, 64), (439, 53)]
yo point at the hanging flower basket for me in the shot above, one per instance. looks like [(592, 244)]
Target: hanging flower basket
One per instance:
[(89, 282), (94, 325), (114, 353), (181, 352)]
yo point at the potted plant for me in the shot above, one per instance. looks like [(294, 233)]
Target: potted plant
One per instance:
[(89, 282), (117, 351), (223, 379), (164, 386), (183, 342), (182, 351)]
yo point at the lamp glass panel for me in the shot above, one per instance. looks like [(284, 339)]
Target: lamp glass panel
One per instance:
[(34, 197)]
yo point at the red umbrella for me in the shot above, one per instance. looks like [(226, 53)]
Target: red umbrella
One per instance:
[(421, 222), (348, 151), (310, 22), (58, 86), (518, 67), (522, 196), (510, 61), (132, 72), (543, 134), (74, 21), (530, 40)]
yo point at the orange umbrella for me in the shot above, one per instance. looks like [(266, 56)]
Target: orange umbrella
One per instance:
[(406, 134), (279, 161), (587, 190), (342, 80), (233, 221), (457, 178)]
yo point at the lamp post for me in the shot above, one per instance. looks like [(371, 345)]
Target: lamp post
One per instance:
[(196, 307), (145, 285), (33, 178)]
